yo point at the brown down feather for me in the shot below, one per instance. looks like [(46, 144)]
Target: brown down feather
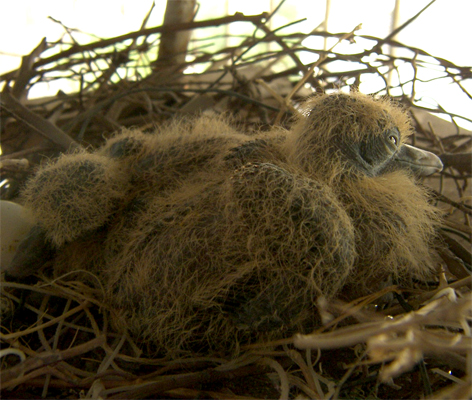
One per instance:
[(205, 237)]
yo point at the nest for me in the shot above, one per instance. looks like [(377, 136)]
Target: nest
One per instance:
[(57, 340)]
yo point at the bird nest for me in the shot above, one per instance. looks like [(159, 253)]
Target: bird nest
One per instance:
[(57, 337)]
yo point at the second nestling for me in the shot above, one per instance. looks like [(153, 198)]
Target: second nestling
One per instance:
[(205, 237)]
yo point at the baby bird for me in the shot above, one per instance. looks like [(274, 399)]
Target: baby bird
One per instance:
[(205, 237)]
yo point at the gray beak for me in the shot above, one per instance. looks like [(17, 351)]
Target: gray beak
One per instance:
[(421, 162)]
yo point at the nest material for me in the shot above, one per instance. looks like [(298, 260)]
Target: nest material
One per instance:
[(69, 345)]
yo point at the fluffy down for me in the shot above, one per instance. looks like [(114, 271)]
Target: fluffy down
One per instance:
[(205, 237), (75, 195)]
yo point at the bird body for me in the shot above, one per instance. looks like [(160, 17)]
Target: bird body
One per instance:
[(205, 237)]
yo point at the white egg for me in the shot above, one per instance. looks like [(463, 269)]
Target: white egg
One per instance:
[(15, 223)]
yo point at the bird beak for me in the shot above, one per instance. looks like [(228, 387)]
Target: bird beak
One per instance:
[(421, 162)]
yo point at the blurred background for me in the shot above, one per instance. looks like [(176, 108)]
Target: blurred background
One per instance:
[(442, 30)]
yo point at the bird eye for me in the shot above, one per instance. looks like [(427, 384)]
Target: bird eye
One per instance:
[(393, 139)]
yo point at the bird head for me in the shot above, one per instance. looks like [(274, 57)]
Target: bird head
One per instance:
[(354, 133)]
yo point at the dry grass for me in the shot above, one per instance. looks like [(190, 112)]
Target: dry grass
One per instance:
[(62, 337)]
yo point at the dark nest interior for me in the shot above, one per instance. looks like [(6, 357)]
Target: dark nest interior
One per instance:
[(56, 335)]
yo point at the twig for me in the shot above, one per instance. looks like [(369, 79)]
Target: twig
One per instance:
[(401, 27), (37, 123), (308, 74), (182, 381), (44, 325), (9, 376), (237, 17)]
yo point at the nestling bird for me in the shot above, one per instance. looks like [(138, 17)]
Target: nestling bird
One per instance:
[(205, 237)]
